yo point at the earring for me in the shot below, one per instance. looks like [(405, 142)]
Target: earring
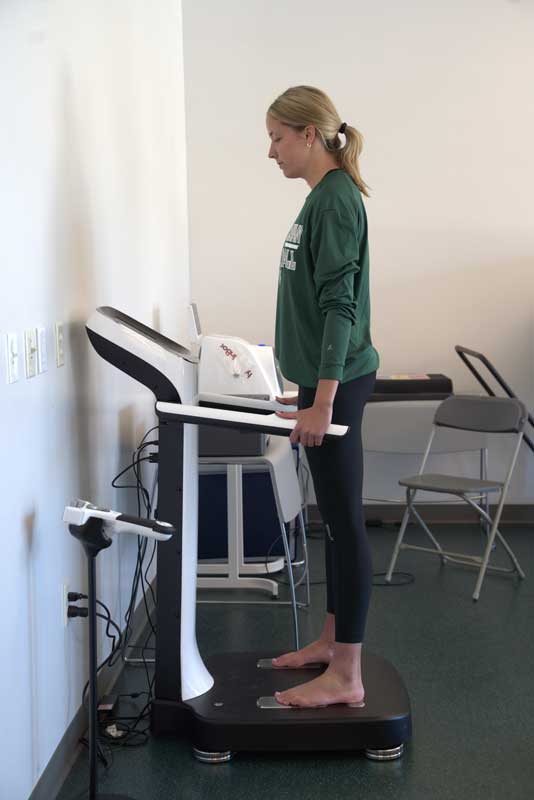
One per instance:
[(308, 144)]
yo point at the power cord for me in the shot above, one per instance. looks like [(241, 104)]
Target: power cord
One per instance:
[(127, 730)]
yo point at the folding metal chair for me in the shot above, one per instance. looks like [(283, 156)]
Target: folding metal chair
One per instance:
[(495, 415)]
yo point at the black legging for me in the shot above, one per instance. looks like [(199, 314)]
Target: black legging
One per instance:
[(337, 472)]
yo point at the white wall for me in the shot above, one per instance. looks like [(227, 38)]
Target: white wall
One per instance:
[(92, 211), (442, 94)]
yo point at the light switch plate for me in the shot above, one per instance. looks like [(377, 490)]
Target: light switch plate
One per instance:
[(42, 359), (60, 351), (30, 347), (12, 357)]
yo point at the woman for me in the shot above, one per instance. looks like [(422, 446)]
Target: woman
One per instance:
[(323, 344)]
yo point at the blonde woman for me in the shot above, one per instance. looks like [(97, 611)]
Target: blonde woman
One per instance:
[(323, 345)]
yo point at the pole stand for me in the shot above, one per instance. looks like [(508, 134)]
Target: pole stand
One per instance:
[(93, 539)]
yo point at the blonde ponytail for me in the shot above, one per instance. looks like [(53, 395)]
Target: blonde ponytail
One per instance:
[(348, 156)]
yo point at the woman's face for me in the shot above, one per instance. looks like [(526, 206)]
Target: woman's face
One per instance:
[(288, 147)]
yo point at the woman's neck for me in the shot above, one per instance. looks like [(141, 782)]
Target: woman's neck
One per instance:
[(323, 164)]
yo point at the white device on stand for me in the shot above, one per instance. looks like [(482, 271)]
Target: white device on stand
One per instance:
[(229, 365), (81, 511)]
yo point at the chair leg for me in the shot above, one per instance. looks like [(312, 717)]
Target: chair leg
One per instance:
[(487, 552), (291, 583), (430, 535), (490, 544), (398, 543), (511, 553), (485, 560), (484, 524), (306, 560)]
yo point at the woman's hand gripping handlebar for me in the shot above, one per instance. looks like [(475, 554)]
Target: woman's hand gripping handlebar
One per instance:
[(311, 423)]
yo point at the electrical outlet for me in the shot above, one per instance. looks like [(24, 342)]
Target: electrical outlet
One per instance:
[(30, 346), (12, 357), (60, 350), (64, 604), (42, 361)]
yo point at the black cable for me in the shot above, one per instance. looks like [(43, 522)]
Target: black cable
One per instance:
[(99, 751), (146, 498), (129, 730), (149, 565), (108, 660), (122, 472), (155, 428), (142, 494), (279, 579), (116, 650), (150, 588), (128, 725), (109, 622), (397, 579), (133, 593), (139, 489), (153, 443), (137, 473), (136, 459), (133, 466), (145, 602), (144, 577), (133, 735), (141, 550)]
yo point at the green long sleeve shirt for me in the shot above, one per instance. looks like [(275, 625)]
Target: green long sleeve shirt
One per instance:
[(323, 309)]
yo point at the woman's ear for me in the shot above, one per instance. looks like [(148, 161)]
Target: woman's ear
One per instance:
[(309, 133)]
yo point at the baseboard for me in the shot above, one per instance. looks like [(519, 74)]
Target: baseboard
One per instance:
[(453, 514), (49, 784)]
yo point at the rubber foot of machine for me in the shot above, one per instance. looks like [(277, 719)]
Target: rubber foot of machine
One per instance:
[(213, 758), (389, 754)]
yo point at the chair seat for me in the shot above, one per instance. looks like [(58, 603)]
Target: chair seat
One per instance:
[(450, 484)]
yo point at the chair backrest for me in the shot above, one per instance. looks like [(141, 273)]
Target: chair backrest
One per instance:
[(402, 427), (485, 414)]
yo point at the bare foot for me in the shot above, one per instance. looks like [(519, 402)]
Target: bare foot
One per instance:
[(317, 652), (326, 690)]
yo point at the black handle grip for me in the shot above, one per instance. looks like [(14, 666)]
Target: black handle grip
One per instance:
[(154, 525)]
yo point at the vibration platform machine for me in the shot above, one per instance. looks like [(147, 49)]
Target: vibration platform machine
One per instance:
[(226, 703)]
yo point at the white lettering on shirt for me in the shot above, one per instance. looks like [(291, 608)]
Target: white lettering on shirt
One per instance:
[(291, 245)]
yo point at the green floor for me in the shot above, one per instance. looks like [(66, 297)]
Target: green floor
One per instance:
[(468, 667)]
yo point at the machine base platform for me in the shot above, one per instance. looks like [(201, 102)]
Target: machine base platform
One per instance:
[(227, 718)]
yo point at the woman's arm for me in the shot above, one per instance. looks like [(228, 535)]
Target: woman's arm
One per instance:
[(312, 423), (326, 391)]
